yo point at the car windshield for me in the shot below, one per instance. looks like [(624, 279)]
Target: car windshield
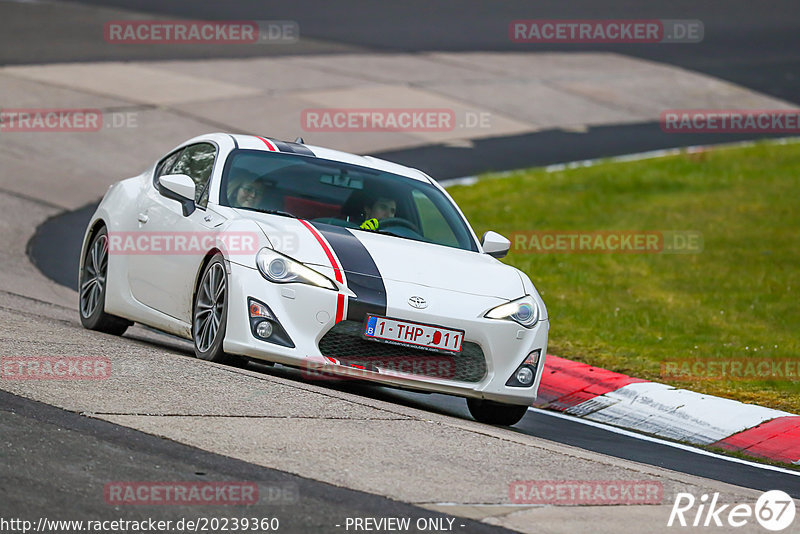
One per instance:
[(341, 194)]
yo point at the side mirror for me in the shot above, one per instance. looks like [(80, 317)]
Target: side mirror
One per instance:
[(495, 245), (178, 187)]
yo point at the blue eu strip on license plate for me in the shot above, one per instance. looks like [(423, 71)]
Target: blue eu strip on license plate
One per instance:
[(370, 331)]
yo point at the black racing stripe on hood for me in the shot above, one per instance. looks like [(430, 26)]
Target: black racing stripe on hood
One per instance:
[(363, 277), (293, 148)]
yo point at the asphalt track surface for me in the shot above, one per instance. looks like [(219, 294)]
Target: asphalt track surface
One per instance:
[(63, 474), (754, 46), (53, 250), (586, 437), (757, 47)]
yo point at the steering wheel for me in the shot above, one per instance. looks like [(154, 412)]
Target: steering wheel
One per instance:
[(397, 221)]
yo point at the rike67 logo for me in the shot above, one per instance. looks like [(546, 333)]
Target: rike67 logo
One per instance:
[(774, 510)]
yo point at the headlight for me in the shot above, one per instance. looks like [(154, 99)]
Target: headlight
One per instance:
[(524, 311), (281, 269)]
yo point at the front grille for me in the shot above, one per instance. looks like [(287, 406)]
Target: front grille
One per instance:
[(344, 342)]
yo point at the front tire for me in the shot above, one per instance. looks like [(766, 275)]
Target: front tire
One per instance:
[(210, 312), (496, 413), (92, 289)]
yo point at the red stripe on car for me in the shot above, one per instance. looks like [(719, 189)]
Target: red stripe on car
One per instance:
[(270, 144), (336, 270)]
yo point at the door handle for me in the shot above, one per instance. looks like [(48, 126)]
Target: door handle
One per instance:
[(143, 218)]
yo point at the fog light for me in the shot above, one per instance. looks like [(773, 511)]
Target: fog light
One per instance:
[(264, 329), (525, 376)]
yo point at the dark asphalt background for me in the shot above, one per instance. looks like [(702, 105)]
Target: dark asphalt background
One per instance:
[(580, 435), (756, 45), (65, 232), (753, 44), (55, 464)]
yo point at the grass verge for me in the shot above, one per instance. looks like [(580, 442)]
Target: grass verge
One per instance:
[(737, 299)]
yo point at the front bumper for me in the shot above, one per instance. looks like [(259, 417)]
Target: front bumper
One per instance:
[(307, 314)]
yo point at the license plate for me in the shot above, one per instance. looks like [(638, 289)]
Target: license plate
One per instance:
[(418, 335)]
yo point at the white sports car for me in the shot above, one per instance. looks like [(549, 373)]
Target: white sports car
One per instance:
[(341, 265)]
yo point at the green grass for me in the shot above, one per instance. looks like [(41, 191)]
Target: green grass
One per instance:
[(737, 299)]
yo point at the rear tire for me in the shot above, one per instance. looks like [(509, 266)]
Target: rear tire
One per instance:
[(496, 413), (92, 289), (210, 312)]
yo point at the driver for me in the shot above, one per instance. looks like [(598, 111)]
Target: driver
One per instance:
[(379, 208), (247, 194)]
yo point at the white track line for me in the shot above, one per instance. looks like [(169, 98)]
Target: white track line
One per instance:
[(672, 444)]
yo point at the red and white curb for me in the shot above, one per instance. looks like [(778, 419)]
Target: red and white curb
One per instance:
[(661, 410)]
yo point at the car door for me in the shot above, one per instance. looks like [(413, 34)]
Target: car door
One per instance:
[(170, 245)]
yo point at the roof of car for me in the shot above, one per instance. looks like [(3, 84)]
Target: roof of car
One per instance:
[(268, 144)]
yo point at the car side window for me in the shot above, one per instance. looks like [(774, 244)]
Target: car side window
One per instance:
[(197, 162)]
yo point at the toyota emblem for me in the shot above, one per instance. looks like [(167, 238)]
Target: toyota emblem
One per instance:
[(417, 302)]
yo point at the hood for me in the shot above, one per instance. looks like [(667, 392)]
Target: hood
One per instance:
[(391, 258)]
